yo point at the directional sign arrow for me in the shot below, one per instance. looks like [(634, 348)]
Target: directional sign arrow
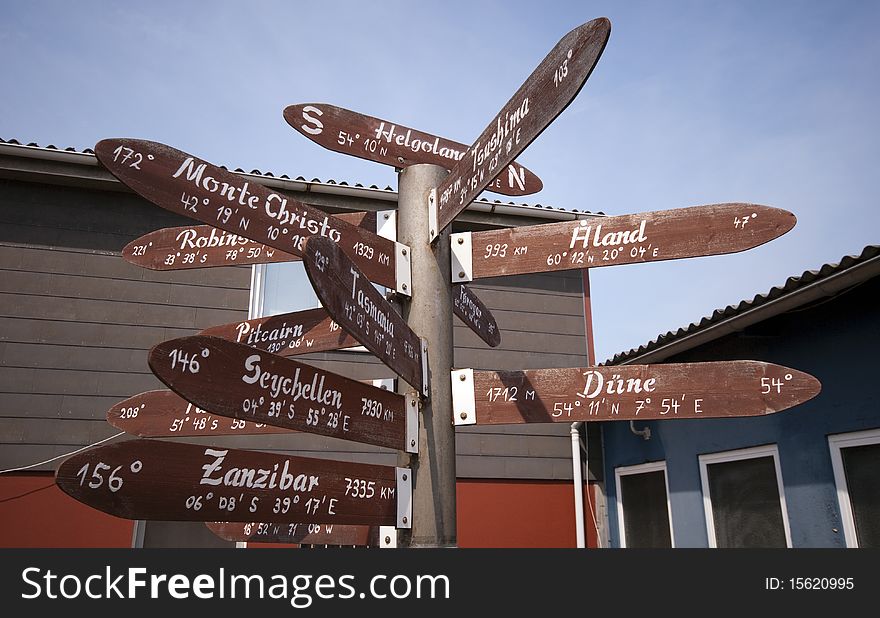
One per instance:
[(287, 334), (625, 239), (304, 534), (236, 381), (205, 246), (194, 188), (164, 414), (360, 309), (543, 96), (173, 481), (382, 141), (476, 316), (628, 392)]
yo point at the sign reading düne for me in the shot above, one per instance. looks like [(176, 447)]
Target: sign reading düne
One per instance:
[(304, 534), (194, 188), (287, 334), (627, 392), (359, 135), (625, 239), (205, 246), (174, 481), (234, 380), (164, 414), (475, 315), (360, 309), (543, 96)]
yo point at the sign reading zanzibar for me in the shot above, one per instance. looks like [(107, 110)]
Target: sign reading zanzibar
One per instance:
[(194, 188), (625, 239), (304, 534), (173, 481), (543, 96), (361, 310), (205, 246), (628, 392), (355, 134), (236, 381)]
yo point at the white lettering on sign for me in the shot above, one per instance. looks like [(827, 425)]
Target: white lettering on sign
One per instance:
[(258, 335), (191, 239), (609, 239), (381, 318), (316, 125), (406, 140), (615, 385), (254, 478), (277, 384)]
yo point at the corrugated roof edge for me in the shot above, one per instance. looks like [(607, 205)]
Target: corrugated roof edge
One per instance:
[(867, 262), (331, 183)]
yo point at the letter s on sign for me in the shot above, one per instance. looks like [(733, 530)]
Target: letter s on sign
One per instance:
[(319, 126)]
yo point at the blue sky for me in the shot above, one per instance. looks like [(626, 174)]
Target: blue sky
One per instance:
[(692, 103)]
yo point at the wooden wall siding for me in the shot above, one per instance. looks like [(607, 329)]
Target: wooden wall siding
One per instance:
[(77, 321)]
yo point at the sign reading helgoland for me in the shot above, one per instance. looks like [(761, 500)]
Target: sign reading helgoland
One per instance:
[(174, 481), (304, 534), (236, 381), (624, 239), (382, 141), (205, 246), (543, 96), (721, 389), (360, 309), (194, 188)]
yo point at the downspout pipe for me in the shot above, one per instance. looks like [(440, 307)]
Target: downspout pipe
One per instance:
[(577, 474)]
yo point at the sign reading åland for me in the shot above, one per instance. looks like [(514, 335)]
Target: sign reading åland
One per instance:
[(628, 392), (164, 414), (476, 316), (624, 239), (205, 246), (360, 309), (173, 481), (381, 141), (236, 381), (194, 188), (304, 534), (543, 96), (287, 334)]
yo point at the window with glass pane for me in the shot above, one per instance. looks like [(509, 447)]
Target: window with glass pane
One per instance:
[(745, 503), (286, 288), (645, 509), (861, 465)]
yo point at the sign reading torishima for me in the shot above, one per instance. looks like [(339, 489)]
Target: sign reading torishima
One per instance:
[(628, 392), (173, 481), (475, 315)]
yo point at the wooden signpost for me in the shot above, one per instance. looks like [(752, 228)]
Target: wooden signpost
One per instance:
[(173, 481), (624, 239), (476, 316), (543, 96), (205, 246), (236, 381), (382, 141), (287, 334), (627, 392), (303, 534), (164, 414), (194, 188), (361, 310)]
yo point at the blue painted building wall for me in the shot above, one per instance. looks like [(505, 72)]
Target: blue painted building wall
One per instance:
[(837, 341)]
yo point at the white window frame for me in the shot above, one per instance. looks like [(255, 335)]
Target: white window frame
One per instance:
[(641, 469), (737, 455), (836, 443)]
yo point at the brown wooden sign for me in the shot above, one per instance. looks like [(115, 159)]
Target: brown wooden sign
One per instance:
[(287, 334), (304, 534), (625, 239), (360, 309), (543, 96), (164, 414), (174, 481), (194, 188), (382, 141), (628, 392), (236, 381), (205, 246), (476, 316)]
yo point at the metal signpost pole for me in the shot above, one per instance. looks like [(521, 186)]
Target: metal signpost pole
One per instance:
[(429, 313)]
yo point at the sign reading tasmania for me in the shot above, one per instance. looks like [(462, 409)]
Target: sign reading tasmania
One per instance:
[(628, 392), (174, 481), (236, 381), (194, 188)]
